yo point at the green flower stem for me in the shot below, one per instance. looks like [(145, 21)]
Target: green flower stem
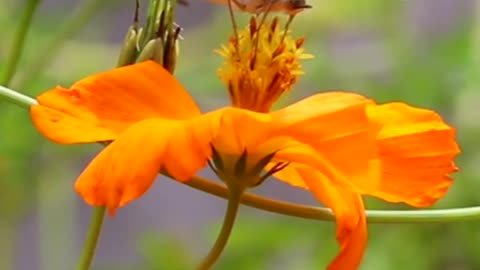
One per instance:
[(298, 210), (92, 238), (19, 42), (8, 243), (8, 233), (321, 213), (259, 202), (74, 23), (234, 197), (153, 10)]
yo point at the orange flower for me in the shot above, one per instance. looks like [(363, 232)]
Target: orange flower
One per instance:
[(338, 145)]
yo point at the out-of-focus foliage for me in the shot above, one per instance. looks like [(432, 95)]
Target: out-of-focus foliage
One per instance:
[(371, 46)]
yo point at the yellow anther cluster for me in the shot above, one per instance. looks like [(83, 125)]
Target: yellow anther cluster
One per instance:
[(261, 63)]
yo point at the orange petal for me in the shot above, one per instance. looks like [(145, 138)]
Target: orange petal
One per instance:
[(241, 129), (302, 155), (348, 209), (332, 188), (64, 128), (105, 104), (416, 150), (190, 145), (126, 168), (336, 125)]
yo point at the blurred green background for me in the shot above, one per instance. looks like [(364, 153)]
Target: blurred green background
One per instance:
[(425, 52)]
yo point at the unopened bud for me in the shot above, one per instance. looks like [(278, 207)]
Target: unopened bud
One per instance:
[(139, 41), (128, 53), (172, 49), (153, 50), (158, 51), (171, 56)]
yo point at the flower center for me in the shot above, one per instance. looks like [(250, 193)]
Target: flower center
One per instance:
[(245, 171), (262, 64)]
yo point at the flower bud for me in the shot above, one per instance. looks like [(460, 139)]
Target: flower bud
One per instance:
[(128, 53), (171, 55), (139, 41), (153, 50)]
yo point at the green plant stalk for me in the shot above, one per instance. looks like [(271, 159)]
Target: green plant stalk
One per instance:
[(152, 16), (234, 197), (75, 22), (8, 233), (298, 210), (16, 98), (324, 214), (19, 42), (8, 243), (92, 238)]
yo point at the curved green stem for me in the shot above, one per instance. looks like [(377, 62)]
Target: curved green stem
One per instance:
[(234, 196), (92, 238), (298, 210), (259, 202), (321, 213), (19, 42), (67, 29)]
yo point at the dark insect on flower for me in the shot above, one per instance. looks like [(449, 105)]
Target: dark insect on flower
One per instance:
[(264, 6)]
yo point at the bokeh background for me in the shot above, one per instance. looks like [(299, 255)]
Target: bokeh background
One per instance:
[(425, 52)]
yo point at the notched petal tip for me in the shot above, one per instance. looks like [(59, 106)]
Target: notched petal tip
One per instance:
[(416, 151)]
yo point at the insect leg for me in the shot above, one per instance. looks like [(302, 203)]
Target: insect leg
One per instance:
[(287, 25), (234, 24), (264, 17)]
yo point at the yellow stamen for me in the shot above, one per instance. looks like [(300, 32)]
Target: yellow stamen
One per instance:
[(260, 65)]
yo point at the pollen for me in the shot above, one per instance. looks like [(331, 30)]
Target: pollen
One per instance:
[(261, 63)]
